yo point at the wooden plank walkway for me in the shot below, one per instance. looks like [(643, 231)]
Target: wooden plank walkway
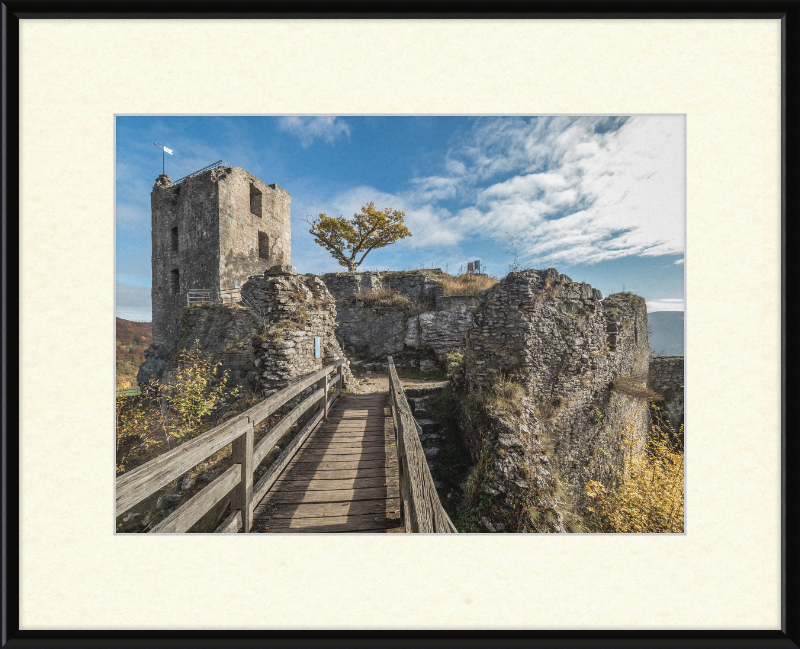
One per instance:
[(344, 478)]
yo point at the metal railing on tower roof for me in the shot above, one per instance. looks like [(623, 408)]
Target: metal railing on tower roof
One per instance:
[(218, 163)]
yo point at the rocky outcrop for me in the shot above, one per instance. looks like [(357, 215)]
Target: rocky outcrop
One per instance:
[(544, 403)]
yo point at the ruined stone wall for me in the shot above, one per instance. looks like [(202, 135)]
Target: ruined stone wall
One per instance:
[(346, 285), (565, 346), (205, 234), (263, 355), (374, 332), (297, 308), (223, 332), (666, 378)]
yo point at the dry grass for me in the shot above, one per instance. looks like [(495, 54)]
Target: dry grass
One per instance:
[(467, 284), (393, 299), (650, 498), (503, 395), (634, 385)]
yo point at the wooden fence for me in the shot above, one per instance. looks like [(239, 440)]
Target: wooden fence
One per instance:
[(421, 509), (213, 296), (141, 482)]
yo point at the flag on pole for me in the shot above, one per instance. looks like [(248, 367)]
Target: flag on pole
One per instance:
[(165, 149), (168, 150)]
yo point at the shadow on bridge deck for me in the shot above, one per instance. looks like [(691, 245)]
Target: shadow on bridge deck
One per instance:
[(343, 479)]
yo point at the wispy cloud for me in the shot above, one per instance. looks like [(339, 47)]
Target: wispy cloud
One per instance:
[(310, 128), (570, 190), (666, 304), (679, 261)]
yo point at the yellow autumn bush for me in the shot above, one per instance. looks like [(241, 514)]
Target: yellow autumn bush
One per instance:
[(650, 496)]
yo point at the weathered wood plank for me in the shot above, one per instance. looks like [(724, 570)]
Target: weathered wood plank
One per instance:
[(349, 437), (335, 466), (388, 506), (390, 473), (341, 429), (328, 524), (348, 456), (242, 454), (338, 495), (139, 483), (192, 510), (265, 445), (331, 484), (231, 524), (345, 443), (277, 467)]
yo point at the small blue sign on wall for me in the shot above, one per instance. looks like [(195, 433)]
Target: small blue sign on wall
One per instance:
[(316, 347)]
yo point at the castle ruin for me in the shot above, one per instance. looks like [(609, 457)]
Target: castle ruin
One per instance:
[(212, 230)]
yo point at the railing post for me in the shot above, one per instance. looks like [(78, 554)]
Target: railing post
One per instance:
[(340, 380), (323, 383), (242, 453)]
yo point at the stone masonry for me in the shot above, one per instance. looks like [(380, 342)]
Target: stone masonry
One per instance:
[(261, 354), (297, 309), (374, 332), (566, 347), (666, 378), (212, 231)]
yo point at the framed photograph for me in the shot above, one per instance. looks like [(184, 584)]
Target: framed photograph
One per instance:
[(602, 170)]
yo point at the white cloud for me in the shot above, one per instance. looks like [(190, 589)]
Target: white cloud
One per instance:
[(576, 190), (310, 128), (569, 190), (679, 261), (666, 304)]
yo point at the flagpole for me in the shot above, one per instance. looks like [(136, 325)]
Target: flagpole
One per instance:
[(164, 151)]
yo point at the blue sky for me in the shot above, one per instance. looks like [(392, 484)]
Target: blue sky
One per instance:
[(602, 199)]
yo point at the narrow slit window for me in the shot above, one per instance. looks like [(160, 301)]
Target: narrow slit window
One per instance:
[(263, 245), (255, 200), (174, 238), (175, 281)]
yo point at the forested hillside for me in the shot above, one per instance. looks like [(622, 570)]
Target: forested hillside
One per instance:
[(132, 339)]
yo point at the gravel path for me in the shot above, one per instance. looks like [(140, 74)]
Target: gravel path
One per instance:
[(380, 383)]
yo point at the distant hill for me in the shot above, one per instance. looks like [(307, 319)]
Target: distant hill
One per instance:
[(132, 339), (666, 332)]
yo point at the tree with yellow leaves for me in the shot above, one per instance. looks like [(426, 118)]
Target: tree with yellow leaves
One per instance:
[(346, 239)]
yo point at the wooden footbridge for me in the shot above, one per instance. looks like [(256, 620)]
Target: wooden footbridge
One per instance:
[(357, 465)]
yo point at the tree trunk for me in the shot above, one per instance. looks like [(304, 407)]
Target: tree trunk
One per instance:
[(351, 267)]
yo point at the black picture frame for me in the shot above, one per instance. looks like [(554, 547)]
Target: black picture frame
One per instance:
[(788, 11)]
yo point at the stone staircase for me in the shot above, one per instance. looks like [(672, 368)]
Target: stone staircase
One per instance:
[(431, 438)]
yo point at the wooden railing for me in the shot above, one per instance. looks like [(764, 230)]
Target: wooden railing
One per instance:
[(420, 507), (222, 296), (213, 296), (141, 482)]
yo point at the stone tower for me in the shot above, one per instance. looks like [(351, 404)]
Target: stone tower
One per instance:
[(212, 230)]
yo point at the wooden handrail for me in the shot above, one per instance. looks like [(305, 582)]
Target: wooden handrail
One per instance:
[(421, 509), (141, 482)]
